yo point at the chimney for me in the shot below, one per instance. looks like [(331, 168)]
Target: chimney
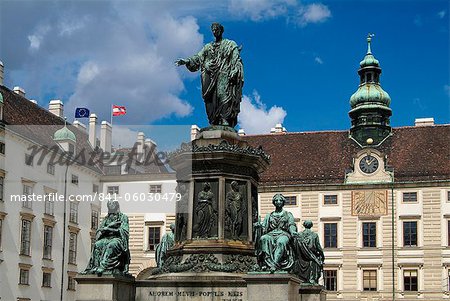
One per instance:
[(20, 91), (56, 107), (79, 125), (194, 131), (2, 71), (92, 130), (424, 121), (278, 129), (241, 132), (140, 146), (150, 147), (106, 136)]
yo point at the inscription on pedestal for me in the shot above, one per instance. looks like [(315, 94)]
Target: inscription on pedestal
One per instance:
[(191, 293)]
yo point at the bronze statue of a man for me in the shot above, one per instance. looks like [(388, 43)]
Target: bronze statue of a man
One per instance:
[(222, 76)]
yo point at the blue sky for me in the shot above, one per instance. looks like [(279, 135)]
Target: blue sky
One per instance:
[(300, 58)]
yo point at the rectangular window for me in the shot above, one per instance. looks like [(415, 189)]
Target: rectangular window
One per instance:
[(448, 196), (50, 169), (330, 235), (48, 241), (1, 228), (113, 190), (71, 283), (369, 235), (74, 179), (29, 160), (27, 192), (49, 204), (154, 236), (330, 280), (24, 277), (330, 199), (409, 197), (370, 280), (155, 188), (94, 188), (291, 200), (25, 237), (73, 214), (409, 234), (2, 181), (2, 148), (94, 219), (448, 233), (46, 279), (73, 248), (410, 280)]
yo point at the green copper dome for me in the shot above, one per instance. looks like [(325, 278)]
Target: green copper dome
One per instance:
[(369, 60), (64, 134), (370, 92)]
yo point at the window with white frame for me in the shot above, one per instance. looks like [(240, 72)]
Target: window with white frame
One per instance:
[(27, 193), (2, 181), (410, 280), (94, 219), (74, 179), (369, 280), (50, 169), (409, 197), (73, 213), (330, 199), (48, 242), (330, 235), (330, 280), (49, 204), (73, 248), (154, 237), (369, 234), (410, 233), (291, 200), (155, 188), (46, 279), (113, 190), (25, 237), (24, 276)]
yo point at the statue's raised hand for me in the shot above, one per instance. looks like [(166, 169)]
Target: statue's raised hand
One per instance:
[(180, 62)]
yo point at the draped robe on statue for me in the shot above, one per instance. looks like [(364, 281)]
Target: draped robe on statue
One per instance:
[(309, 263), (222, 76), (110, 251), (274, 250)]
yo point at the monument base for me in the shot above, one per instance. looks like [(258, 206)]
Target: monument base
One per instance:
[(105, 288), (312, 293), (268, 287)]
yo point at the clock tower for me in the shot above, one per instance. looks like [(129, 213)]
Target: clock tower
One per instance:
[(370, 110)]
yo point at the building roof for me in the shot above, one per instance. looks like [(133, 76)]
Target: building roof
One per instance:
[(310, 158), (26, 118)]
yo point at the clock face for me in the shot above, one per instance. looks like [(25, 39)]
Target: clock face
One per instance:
[(368, 164)]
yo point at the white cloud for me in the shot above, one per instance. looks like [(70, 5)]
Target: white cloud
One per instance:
[(313, 13), (122, 136), (318, 60), (255, 118), (36, 38), (292, 10), (259, 10), (441, 14)]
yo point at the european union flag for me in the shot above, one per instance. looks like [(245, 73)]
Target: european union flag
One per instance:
[(81, 113)]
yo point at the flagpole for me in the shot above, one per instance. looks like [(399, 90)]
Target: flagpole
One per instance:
[(112, 111)]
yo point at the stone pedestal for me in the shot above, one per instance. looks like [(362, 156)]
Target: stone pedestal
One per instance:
[(192, 287), (214, 227), (269, 287), (105, 288), (312, 293)]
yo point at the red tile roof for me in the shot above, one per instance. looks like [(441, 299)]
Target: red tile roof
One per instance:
[(415, 154)]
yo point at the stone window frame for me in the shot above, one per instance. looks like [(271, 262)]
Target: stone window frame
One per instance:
[(25, 268), (71, 283), (49, 203), (289, 199), (370, 289), (409, 245), (337, 235), (48, 271), (29, 160), (73, 248), (2, 185), (2, 218), (51, 169), (73, 211), (30, 185), (148, 225), (48, 223), (29, 217), (362, 234), (2, 148), (410, 192), (405, 270), (111, 189), (336, 271), (74, 179)]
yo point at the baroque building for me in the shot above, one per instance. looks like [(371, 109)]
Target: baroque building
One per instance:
[(48, 215), (379, 197)]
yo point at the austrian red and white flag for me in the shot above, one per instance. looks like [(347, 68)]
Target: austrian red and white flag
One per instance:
[(119, 110)]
